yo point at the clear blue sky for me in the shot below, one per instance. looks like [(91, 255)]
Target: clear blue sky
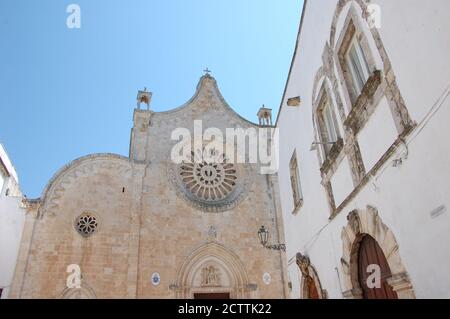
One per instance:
[(66, 93)]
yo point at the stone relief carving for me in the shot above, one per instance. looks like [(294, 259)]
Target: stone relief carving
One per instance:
[(212, 233), (211, 277)]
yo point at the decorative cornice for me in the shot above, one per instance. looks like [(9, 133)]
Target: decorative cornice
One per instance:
[(80, 167)]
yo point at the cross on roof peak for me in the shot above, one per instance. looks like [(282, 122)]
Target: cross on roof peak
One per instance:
[(207, 71)]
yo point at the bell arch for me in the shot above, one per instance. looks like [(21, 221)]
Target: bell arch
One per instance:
[(367, 222), (212, 268)]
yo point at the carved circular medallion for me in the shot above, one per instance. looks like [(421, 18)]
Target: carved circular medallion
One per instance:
[(86, 224)]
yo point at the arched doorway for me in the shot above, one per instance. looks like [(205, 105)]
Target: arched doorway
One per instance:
[(84, 292), (212, 272), (370, 253), (384, 250), (311, 287)]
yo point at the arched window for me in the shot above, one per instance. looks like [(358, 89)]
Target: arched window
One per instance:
[(328, 127), (329, 138), (353, 59)]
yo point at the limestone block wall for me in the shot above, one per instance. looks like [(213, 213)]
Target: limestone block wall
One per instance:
[(99, 185)]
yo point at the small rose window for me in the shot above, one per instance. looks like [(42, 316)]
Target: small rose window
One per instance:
[(86, 224)]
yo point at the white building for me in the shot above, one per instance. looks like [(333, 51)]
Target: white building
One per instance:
[(12, 218), (364, 161)]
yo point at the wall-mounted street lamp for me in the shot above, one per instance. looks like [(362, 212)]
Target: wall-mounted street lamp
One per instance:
[(315, 144), (263, 234)]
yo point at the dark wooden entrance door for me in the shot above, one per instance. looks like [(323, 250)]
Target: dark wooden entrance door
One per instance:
[(212, 296), (311, 288), (371, 253)]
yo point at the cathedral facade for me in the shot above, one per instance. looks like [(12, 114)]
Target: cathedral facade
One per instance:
[(145, 226)]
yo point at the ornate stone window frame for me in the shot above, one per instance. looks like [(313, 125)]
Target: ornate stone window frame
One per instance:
[(354, 116), (381, 81), (3, 177), (352, 31), (325, 80), (296, 187), (326, 158), (82, 216), (363, 222)]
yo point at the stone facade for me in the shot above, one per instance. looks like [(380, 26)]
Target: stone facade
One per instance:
[(145, 223)]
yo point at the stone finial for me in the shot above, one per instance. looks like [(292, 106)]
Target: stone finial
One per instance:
[(265, 116), (144, 97)]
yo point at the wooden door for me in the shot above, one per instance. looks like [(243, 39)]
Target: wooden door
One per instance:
[(371, 253), (311, 288)]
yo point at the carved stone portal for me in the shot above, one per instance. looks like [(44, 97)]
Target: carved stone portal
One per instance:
[(303, 263), (212, 268), (367, 222), (309, 279)]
